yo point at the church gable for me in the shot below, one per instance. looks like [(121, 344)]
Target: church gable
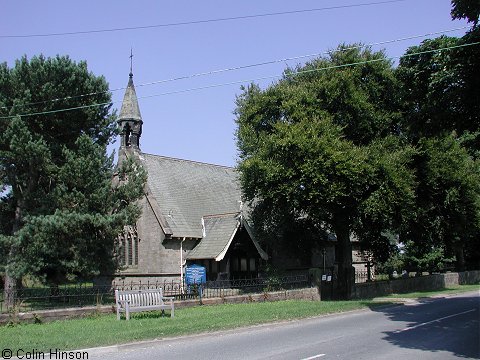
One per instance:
[(185, 191)]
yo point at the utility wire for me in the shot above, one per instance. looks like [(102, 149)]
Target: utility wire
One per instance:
[(193, 22), (249, 80), (270, 62), (241, 67), (304, 71)]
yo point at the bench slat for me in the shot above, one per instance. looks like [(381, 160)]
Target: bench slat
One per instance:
[(142, 300)]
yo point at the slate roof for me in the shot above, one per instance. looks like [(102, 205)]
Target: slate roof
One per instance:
[(130, 109), (187, 190), (219, 233)]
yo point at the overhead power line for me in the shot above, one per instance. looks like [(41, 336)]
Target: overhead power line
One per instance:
[(293, 74), (194, 22), (249, 80), (241, 67)]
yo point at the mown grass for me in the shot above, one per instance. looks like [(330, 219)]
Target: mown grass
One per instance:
[(106, 330), (449, 290)]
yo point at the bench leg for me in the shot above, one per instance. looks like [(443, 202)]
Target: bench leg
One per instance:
[(118, 313), (173, 312), (127, 312)]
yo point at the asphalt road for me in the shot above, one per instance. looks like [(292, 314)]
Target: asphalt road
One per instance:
[(442, 328)]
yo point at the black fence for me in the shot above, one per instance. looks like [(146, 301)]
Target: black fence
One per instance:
[(43, 298)]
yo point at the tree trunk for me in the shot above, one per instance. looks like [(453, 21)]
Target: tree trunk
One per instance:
[(459, 257), (9, 291), (346, 273), (11, 282)]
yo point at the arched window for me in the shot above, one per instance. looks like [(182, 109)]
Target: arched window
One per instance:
[(127, 133), (128, 246)]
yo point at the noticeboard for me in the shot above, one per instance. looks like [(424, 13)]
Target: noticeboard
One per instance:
[(195, 274)]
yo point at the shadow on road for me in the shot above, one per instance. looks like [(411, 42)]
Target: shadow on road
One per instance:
[(457, 330)]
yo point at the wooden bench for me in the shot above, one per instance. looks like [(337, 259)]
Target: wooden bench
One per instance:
[(130, 301)]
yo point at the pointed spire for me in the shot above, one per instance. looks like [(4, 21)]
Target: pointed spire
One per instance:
[(130, 119), (130, 109)]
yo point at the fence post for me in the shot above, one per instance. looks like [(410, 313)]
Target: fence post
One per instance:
[(369, 271)]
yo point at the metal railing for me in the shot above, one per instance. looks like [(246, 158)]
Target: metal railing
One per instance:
[(42, 298), (362, 276)]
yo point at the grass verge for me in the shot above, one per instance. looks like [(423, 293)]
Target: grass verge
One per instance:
[(449, 290), (106, 330)]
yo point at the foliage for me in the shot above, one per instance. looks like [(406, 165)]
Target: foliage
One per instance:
[(272, 276), (60, 212), (48, 84), (447, 197), (466, 9), (413, 258), (417, 260), (317, 146), (360, 99), (442, 117), (440, 89), (370, 151), (394, 263), (86, 221)]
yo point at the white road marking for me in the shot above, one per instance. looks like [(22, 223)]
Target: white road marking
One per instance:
[(314, 357), (432, 321)]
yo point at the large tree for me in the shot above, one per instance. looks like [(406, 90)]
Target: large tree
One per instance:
[(466, 9), (442, 118), (447, 213), (319, 145), (440, 89), (60, 210)]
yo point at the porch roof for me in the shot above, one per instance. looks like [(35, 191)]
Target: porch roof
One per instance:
[(219, 232)]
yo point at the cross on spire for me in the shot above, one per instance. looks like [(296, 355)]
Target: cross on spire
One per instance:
[(131, 62)]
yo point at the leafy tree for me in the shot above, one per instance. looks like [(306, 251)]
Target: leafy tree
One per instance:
[(414, 258), (440, 89), (418, 259), (316, 146), (447, 212), (466, 9), (442, 117), (60, 210)]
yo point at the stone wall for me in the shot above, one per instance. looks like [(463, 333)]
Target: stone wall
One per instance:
[(55, 314), (62, 314), (421, 283)]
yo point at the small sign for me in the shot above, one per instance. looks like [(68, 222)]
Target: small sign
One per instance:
[(324, 277), (195, 274), (329, 278)]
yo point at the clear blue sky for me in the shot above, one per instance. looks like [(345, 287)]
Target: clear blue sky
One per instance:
[(199, 125)]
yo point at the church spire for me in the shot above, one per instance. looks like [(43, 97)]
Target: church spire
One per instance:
[(130, 120)]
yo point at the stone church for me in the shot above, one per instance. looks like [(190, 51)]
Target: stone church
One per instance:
[(191, 214)]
